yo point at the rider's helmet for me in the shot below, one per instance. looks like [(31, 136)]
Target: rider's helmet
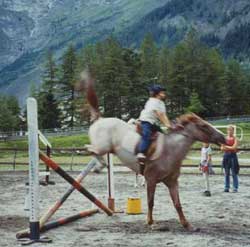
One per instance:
[(155, 89)]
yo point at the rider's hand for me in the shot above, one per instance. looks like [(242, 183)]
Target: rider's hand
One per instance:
[(176, 126), (222, 148)]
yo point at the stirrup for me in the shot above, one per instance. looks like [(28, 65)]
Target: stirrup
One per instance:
[(141, 158)]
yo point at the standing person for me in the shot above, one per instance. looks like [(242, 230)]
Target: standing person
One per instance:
[(153, 113), (230, 160), (206, 166)]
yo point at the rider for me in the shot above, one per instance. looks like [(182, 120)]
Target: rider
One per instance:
[(154, 112)]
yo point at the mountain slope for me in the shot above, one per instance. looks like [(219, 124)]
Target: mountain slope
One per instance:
[(28, 28)]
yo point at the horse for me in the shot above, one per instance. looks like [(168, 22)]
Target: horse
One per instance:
[(116, 136)]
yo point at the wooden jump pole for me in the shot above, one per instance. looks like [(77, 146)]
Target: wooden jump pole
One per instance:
[(74, 183), (48, 214), (33, 175)]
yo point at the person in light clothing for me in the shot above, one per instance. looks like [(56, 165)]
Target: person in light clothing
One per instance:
[(206, 166), (153, 113)]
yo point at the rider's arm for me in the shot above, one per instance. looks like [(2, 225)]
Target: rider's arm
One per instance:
[(209, 158), (163, 118)]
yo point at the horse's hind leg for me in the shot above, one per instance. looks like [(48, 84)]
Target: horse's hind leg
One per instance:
[(99, 156), (174, 193), (151, 185), (101, 164)]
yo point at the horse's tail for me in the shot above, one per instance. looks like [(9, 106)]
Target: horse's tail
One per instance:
[(88, 83)]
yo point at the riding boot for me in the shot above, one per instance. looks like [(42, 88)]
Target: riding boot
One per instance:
[(142, 168)]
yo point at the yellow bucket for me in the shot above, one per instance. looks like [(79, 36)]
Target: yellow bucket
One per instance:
[(134, 206)]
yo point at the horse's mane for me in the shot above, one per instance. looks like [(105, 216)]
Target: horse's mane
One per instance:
[(187, 118)]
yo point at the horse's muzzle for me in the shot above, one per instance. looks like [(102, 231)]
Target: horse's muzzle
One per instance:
[(221, 140)]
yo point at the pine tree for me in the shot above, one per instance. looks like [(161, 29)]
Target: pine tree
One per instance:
[(70, 117), (112, 79), (212, 89), (177, 86), (48, 111), (163, 64), (135, 93), (14, 108), (48, 107), (195, 104), (9, 113), (237, 89), (149, 59)]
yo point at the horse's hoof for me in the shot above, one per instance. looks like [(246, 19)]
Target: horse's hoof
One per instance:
[(97, 171), (152, 227), (150, 222), (196, 229), (193, 229), (159, 228)]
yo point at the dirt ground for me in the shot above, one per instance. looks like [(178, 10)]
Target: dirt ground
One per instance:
[(223, 218)]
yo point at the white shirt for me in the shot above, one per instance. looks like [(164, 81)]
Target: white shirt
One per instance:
[(148, 113), (204, 154)]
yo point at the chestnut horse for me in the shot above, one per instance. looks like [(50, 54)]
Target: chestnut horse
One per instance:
[(116, 136)]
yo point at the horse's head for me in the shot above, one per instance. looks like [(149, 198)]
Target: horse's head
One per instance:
[(201, 130)]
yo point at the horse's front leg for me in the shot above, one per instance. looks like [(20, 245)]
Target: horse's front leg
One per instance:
[(174, 193), (150, 195)]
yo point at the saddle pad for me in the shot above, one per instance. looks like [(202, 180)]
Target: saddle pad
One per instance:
[(131, 140)]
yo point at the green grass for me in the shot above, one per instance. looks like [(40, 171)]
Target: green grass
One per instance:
[(56, 142), (69, 141)]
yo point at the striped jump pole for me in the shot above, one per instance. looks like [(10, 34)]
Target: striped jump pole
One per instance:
[(64, 221), (33, 175), (74, 183), (48, 214), (60, 202)]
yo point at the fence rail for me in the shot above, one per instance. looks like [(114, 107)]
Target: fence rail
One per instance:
[(12, 160), (229, 119)]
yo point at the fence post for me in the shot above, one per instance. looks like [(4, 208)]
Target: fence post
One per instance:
[(48, 146), (111, 189), (72, 157), (14, 158), (47, 180)]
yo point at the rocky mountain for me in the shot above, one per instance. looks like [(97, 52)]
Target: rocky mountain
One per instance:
[(29, 28)]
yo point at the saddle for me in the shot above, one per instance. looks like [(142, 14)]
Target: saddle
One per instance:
[(156, 146), (132, 138)]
